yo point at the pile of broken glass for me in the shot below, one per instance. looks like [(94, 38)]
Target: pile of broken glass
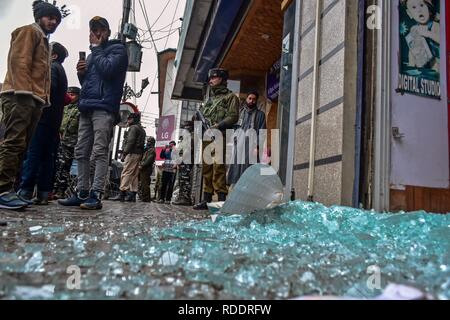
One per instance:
[(293, 250)]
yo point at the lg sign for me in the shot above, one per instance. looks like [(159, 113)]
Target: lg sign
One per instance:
[(166, 128)]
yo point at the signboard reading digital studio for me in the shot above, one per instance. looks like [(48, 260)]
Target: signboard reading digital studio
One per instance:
[(419, 54)]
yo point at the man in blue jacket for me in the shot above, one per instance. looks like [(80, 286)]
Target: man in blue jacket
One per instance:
[(102, 78), (39, 166)]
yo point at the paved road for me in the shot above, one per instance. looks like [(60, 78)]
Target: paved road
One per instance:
[(39, 244)]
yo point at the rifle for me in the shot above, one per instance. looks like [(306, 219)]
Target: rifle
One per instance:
[(205, 123)]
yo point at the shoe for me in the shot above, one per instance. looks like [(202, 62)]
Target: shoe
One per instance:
[(201, 206), (207, 198), (41, 199), (11, 201), (94, 202), (76, 200), (131, 197), (40, 202), (120, 197), (161, 201), (25, 196), (182, 202), (59, 195), (222, 197)]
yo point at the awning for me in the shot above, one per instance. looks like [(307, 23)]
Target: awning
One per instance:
[(194, 22), (225, 20)]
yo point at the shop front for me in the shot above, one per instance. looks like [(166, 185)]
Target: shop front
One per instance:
[(419, 161)]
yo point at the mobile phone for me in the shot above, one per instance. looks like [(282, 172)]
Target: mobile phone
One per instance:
[(82, 55)]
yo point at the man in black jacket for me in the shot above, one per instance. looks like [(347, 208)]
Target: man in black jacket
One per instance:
[(132, 156), (39, 165)]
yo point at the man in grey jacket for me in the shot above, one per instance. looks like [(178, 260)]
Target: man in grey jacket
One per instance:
[(246, 146)]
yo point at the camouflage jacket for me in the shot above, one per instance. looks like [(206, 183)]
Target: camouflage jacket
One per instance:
[(149, 158), (69, 126), (135, 140), (222, 108)]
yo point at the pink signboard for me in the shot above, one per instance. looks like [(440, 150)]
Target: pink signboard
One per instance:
[(166, 129)]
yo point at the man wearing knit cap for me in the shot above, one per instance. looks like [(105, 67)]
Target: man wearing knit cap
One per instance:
[(102, 77), (25, 91)]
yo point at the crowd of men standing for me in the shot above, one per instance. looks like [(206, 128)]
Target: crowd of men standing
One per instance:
[(33, 100), (48, 125)]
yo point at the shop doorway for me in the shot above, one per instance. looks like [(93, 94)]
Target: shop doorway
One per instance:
[(419, 178)]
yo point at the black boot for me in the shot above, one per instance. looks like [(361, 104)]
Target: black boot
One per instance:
[(207, 198), (120, 197), (94, 202), (131, 197), (222, 197)]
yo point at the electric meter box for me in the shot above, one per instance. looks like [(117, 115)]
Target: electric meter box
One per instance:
[(130, 31), (134, 50)]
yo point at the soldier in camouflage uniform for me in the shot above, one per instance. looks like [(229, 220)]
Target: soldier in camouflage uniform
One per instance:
[(222, 112), (184, 176), (146, 169), (69, 137)]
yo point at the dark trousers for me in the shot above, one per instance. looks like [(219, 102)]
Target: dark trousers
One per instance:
[(38, 168), (185, 182), (145, 180), (168, 179), (20, 117), (63, 166)]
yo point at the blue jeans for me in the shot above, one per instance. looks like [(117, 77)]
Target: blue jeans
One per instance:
[(39, 165)]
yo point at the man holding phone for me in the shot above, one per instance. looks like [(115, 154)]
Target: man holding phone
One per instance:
[(102, 77)]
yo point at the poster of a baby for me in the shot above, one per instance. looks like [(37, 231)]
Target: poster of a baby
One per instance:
[(424, 36)]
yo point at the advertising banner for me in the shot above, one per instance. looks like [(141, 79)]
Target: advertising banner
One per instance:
[(419, 54), (165, 130)]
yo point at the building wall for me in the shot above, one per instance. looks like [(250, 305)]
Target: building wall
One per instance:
[(335, 142), (171, 107)]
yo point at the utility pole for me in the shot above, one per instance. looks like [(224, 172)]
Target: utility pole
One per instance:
[(125, 18)]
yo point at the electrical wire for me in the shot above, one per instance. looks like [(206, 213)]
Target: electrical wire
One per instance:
[(150, 93), (165, 27), (142, 38), (166, 37), (147, 21), (174, 14), (160, 15)]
